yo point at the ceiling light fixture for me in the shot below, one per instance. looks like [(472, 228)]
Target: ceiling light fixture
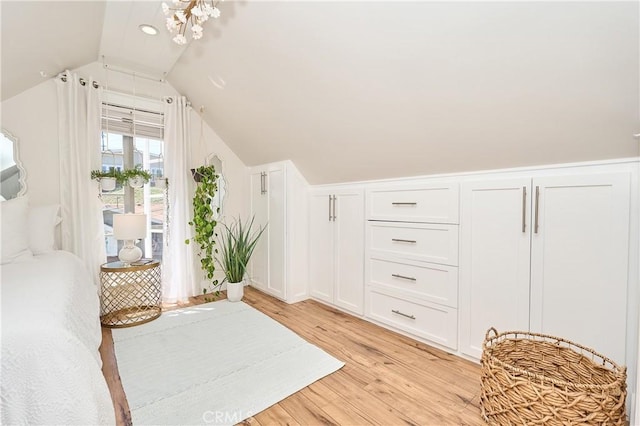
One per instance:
[(183, 13), (148, 29)]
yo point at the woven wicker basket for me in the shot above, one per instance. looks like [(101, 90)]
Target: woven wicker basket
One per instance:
[(536, 379)]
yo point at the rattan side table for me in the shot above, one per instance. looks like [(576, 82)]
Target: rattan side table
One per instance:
[(130, 295)]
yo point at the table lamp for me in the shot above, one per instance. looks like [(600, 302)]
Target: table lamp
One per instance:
[(129, 227)]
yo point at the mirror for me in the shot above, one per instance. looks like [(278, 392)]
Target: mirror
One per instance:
[(217, 201), (12, 174)]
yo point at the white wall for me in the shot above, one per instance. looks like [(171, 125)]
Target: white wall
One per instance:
[(32, 117)]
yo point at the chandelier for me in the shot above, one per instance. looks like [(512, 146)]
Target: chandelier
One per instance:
[(183, 13)]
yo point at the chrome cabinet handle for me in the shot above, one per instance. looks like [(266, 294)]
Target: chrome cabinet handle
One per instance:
[(402, 203), (334, 209), (403, 314), (403, 277), (535, 228), (330, 200), (265, 181), (262, 183), (399, 240), (524, 207)]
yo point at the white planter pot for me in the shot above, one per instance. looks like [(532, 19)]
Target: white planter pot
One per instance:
[(235, 291), (136, 182), (108, 183)]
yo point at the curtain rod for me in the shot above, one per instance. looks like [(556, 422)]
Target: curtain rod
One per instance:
[(158, 99), (135, 74), (167, 99), (132, 109), (64, 77)]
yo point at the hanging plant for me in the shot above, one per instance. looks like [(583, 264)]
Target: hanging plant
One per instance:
[(108, 179), (136, 177), (204, 223)]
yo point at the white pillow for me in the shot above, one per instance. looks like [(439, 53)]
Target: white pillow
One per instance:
[(42, 222), (13, 226)]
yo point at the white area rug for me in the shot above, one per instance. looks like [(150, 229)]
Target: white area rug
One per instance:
[(217, 363)]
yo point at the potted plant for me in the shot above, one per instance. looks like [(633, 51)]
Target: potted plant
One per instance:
[(236, 247), (136, 177), (204, 223), (107, 179)]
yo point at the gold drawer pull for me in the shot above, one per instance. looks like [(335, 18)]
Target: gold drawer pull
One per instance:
[(403, 314), (399, 240), (403, 277)]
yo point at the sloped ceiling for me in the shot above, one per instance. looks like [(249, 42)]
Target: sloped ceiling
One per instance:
[(366, 90), (48, 37)]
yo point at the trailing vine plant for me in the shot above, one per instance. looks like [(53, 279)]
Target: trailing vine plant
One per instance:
[(204, 223)]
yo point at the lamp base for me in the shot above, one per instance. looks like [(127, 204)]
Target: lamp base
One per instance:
[(129, 253)]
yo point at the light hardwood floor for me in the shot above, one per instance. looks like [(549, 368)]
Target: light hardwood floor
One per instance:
[(387, 379)]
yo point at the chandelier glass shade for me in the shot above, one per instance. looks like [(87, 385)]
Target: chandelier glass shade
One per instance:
[(183, 14)]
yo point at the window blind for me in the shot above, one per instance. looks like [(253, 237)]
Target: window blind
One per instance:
[(132, 121)]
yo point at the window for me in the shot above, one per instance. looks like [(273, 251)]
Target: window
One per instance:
[(122, 150)]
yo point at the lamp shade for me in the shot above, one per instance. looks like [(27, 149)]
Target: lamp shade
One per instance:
[(129, 226)]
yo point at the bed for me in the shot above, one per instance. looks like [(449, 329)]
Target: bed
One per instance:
[(51, 367)]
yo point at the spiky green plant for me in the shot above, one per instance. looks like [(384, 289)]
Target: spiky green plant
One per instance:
[(236, 247)]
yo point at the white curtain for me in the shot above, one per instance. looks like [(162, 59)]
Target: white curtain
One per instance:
[(79, 129), (178, 272)]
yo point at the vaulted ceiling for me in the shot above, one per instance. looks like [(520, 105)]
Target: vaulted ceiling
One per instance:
[(364, 90)]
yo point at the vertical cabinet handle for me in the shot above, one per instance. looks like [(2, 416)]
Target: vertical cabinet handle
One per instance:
[(261, 183), (535, 227), (334, 208), (264, 182), (330, 201), (524, 207)]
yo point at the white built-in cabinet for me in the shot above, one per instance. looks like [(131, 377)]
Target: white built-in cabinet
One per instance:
[(442, 260), (547, 254), (411, 266), (279, 204), (336, 247)]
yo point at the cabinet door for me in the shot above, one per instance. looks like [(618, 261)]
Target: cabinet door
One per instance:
[(276, 231), (321, 252), (494, 259), (349, 251), (259, 266), (579, 260)]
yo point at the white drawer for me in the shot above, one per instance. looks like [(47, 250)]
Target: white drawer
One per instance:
[(429, 281), (425, 203), (433, 322), (414, 241)]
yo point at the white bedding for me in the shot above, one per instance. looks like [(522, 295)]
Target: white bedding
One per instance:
[(51, 368)]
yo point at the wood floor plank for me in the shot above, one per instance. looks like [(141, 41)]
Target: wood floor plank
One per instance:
[(387, 379), (374, 410), (306, 412), (112, 377), (276, 415), (320, 394)]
